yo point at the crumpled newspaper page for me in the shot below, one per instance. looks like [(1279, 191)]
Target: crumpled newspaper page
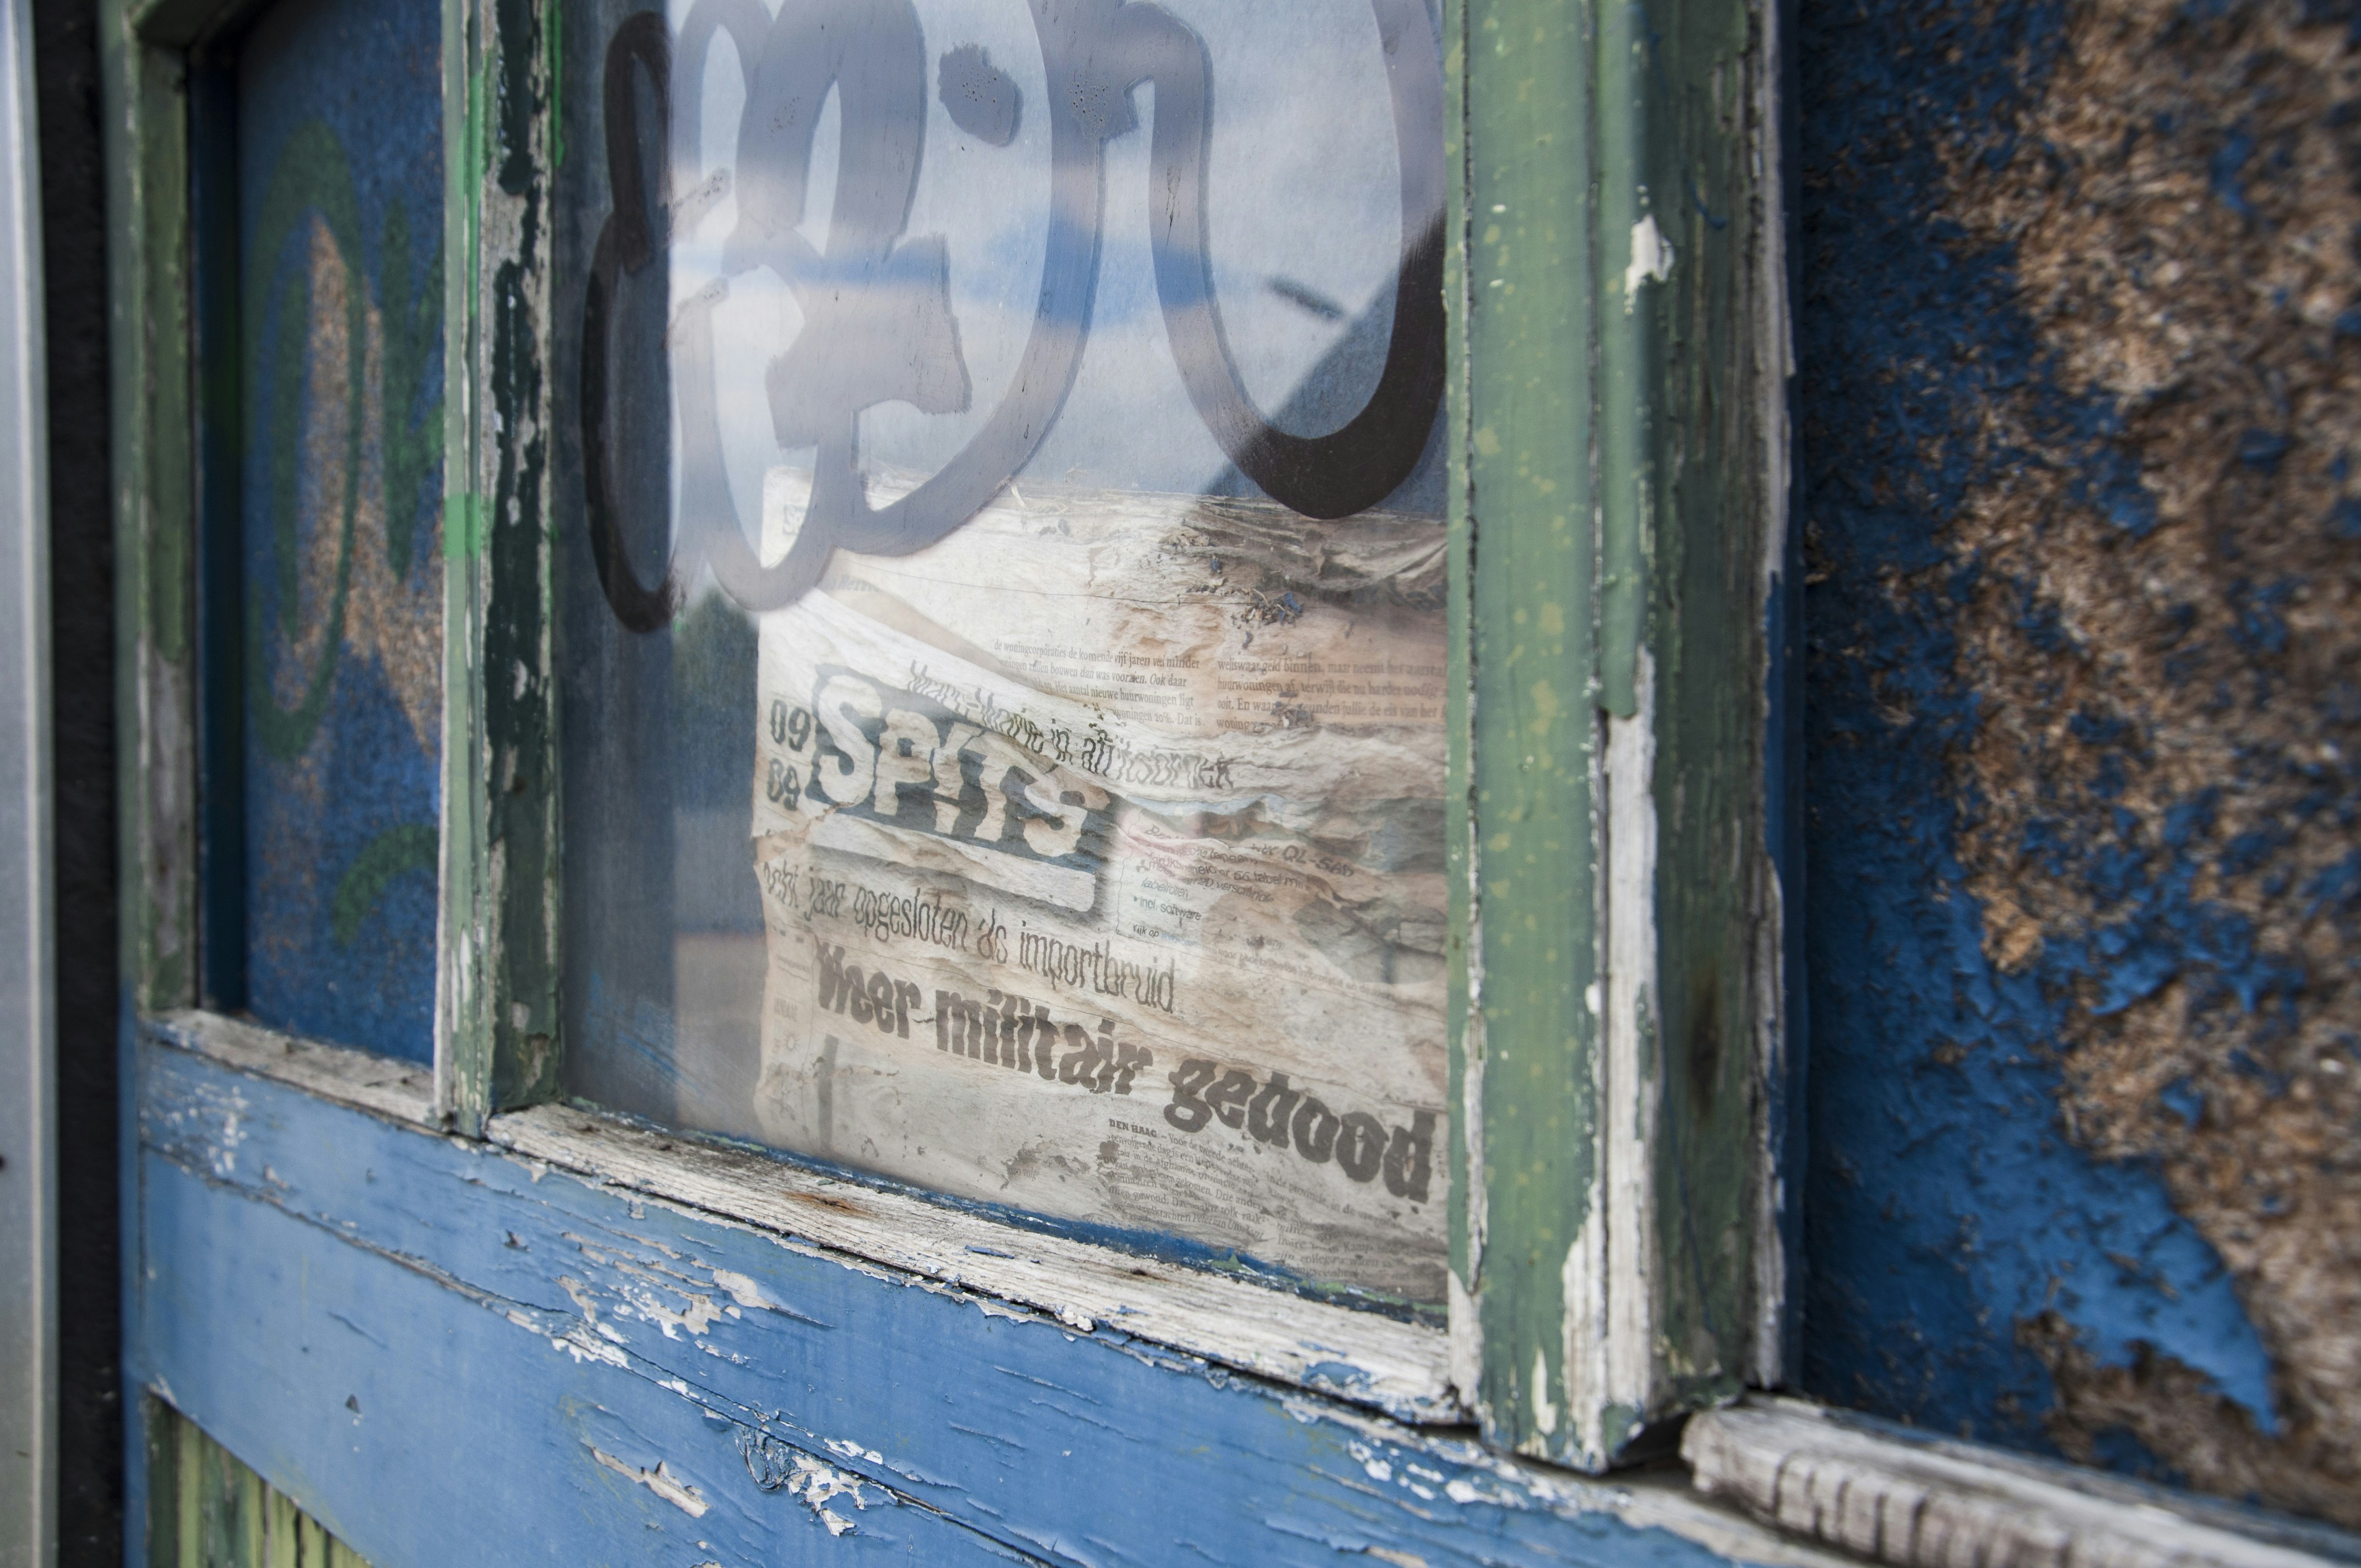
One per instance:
[(1101, 854)]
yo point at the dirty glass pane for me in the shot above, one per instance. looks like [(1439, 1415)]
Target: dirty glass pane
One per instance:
[(338, 639), (1003, 642)]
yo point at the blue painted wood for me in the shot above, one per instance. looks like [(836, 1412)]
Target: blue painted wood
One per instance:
[(431, 1344), (338, 114)]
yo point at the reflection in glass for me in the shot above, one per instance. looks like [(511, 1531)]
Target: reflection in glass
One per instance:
[(1003, 636), (337, 117)]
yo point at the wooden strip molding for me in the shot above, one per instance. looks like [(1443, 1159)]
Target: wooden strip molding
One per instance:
[(1397, 1367), (398, 1090), (580, 1322), (1898, 1496), (1618, 531)]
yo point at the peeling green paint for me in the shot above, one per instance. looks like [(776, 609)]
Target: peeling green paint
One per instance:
[(499, 873), (153, 475), (1612, 518), (1530, 280)]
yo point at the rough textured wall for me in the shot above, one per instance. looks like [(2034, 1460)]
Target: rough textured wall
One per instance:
[(2081, 340)]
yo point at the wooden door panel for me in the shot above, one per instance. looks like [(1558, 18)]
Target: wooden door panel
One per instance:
[(450, 1354)]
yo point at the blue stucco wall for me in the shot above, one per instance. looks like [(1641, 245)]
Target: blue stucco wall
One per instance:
[(2076, 328)]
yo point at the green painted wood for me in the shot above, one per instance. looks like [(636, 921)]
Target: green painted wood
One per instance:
[(208, 1510), (497, 989), (499, 837), (1458, 721), (1618, 516), (1707, 503), (153, 461), (1529, 1044)]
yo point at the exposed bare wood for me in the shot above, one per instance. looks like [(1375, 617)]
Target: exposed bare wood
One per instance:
[(399, 1090), (1398, 1367), (1917, 1501)]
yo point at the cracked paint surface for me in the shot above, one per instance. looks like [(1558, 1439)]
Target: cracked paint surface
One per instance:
[(852, 1412)]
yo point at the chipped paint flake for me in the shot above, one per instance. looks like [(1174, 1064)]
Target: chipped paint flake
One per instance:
[(1652, 259), (743, 1290), (660, 1480), (845, 1448), (817, 1486)]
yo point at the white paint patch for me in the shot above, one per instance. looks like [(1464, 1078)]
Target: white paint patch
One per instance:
[(845, 1448), (579, 1294), (991, 1308), (661, 1481), (743, 1290), (697, 1316), (582, 1347), (1467, 1330), (1632, 1090), (1652, 259), (1545, 1410), (1582, 1287), (816, 1485)]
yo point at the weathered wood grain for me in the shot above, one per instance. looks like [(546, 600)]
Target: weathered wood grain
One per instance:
[(398, 1090), (1396, 1366), (1399, 1367), (327, 1291), (1904, 1497)]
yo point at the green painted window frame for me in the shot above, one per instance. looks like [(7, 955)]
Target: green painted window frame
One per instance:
[(1619, 538)]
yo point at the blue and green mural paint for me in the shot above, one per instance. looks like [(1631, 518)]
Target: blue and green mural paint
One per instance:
[(340, 177), (2080, 342)]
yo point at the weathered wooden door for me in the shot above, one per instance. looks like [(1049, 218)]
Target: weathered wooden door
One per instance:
[(971, 781)]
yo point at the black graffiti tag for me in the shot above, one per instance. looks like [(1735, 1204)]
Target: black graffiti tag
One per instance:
[(877, 307)]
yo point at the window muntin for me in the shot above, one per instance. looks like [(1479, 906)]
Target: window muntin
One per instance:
[(971, 774)]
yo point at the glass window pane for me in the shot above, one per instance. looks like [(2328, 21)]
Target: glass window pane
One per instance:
[(1003, 637), (338, 279)]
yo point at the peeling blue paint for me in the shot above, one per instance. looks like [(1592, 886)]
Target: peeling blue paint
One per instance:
[(372, 1315), (1947, 1204)]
